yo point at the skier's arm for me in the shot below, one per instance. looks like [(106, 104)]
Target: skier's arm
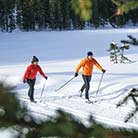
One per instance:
[(41, 73), (26, 74), (98, 66), (79, 66)]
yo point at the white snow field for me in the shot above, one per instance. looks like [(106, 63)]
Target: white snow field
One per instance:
[(59, 54)]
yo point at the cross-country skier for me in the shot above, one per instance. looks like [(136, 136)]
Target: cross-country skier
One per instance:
[(30, 76), (87, 65)]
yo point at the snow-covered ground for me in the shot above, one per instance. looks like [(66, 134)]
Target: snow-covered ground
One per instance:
[(59, 54)]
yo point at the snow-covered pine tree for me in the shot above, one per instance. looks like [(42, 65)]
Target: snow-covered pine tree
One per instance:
[(117, 52), (114, 52)]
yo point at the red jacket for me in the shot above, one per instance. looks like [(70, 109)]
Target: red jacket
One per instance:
[(31, 72)]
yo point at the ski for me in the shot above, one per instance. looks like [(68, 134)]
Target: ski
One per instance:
[(91, 102), (27, 100), (72, 96), (33, 102), (86, 101)]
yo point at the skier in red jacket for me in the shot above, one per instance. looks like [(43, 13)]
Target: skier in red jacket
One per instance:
[(30, 76)]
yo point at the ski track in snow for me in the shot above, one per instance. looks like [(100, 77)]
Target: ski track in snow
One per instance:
[(58, 60), (75, 105), (48, 109), (110, 93)]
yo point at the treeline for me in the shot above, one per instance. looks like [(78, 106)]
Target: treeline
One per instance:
[(28, 15)]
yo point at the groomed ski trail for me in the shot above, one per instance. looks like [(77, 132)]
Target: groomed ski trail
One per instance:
[(48, 109)]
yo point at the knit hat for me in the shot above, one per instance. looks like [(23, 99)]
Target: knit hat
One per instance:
[(89, 53), (35, 59)]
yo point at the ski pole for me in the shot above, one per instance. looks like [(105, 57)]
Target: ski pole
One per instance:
[(99, 84), (64, 84), (43, 89)]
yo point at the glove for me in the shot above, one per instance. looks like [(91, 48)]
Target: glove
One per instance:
[(46, 77), (24, 81), (103, 70), (76, 74)]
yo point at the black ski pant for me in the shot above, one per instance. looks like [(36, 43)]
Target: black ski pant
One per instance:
[(86, 85), (31, 84)]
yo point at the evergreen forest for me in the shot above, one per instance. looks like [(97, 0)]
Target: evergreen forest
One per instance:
[(41, 15)]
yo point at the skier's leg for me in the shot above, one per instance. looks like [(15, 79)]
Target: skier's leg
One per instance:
[(83, 86), (29, 83), (87, 80), (31, 90)]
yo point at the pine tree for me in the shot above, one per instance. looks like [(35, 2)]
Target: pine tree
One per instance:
[(106, 8), (46, 8), (26, 15), (117, 52), (114, 52), (65, 14), (132, 41), (133, 94), (66, 11), (76, 21), (52, 15), (123, 58), (7, 20), (39, 14), (19, 16), (102, 12), (82, 8), (12, 114), (95, 14), (59, 15), (133, 16), (2, 23), (126, 5)]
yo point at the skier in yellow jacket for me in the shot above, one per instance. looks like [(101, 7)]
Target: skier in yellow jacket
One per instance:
[(87, 65)]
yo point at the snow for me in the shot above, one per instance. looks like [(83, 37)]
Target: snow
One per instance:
[(59, 54)]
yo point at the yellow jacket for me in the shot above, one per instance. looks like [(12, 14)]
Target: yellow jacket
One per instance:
[(87, 66)]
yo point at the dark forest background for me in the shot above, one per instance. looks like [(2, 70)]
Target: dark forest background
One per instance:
[(38, 15)]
